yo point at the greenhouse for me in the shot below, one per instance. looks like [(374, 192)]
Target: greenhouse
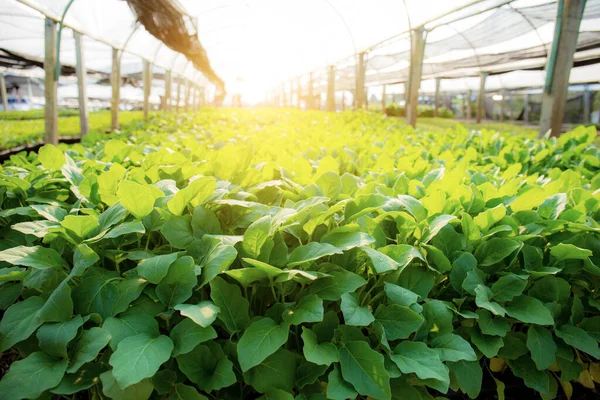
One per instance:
[(285, 200)]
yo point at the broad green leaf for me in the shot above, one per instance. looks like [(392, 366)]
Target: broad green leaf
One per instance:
[(198, 190), (529, 310), (381, 262), (488, 218), (137, 199), (156, 268), (495, 250), (553, 206), (186, 335), (276, 371), (311, 252), (97, 292), (307, 373), (185, 392), (334, 286), (233, 307), (138, 391), (80, 225), (309, 309), (542, 347), (83, 258), (203, 313), (337, 387), (437, 260), (207, 367), (525, 368), (51, 157), (483, 294), (176, 287), (261, 339), (436, 225), (30, 377), (59, 306), (566, 251), (353, 313), (53, 338), (35, 257), (508, 287), (276, 394), (178, 231), (579, 339), (87, 347), (399, 295), (403, 254), (217, 261), (495, 326), (256, 236), (348, 240), (321, 354), (131, 323), (83, 379), (267, 270), (399, 322), (451, 347), (126, 229), (20, 321), (139, 357), (417, 358), (468, 375), (487, 344), (364, 369)]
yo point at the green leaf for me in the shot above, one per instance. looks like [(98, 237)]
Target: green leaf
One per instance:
[(468, 375), (234, 308), (80, 225), (488, 345), (579, 339), (126, 228), (566, 251), (203, 313), (30, 377), (276, 394), (185, 392), (508, 287), (337, 387), (256, 236), (139, 357), (553, 206), (334, 286), (97, 292), (156, 268), (417, 358), (525, 369), (495, 250), (87, 347), (399, 322), (542, 347), (207, 367), (80, 381), (308, 309), (529, 310), (137, 199), (321, 354), (51, 157), (276, 371), (83, 258), (483, 294), (59, 306), (403, 254), (35, 257), (197, 190), (496, 326), (176, 287), (364, 369), (353, 313), (436, 225), (381, 262), (178, 231), (218, 260), (261, 339), (186, 335), (399, 295), (348, 240), (311, 252), (490, 217), (111, 389), (451, 347), (307, 373), (53, 338), (131, 323), (20, 321)]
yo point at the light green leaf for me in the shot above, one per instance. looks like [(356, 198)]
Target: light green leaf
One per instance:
[(436, 225), (334, 286), (403, 254), (364, 369), (35, 257), (417, 358), (83, 258), (203, 313), (311, 252), (451, 347), (126, 228), (137, 199), (256, 236), (553, 206), (337, 387), (381, 262), (353, 313), (261, 339), (321, 354), (529, 310), (234, 307), (30, 377), (80, 225), (187, 334), (156, 268), (567, 251), (542, 347), (488, 218), (87, 347), (139, 357), (348, 240), (399, 322), (308, 309), (399, 295), (197, 190), (51, 157), (177, 286)]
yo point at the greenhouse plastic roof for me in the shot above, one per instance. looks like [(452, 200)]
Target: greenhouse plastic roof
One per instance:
[(257, 44)]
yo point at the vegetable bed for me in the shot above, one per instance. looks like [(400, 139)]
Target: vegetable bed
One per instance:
[(301, 255)]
